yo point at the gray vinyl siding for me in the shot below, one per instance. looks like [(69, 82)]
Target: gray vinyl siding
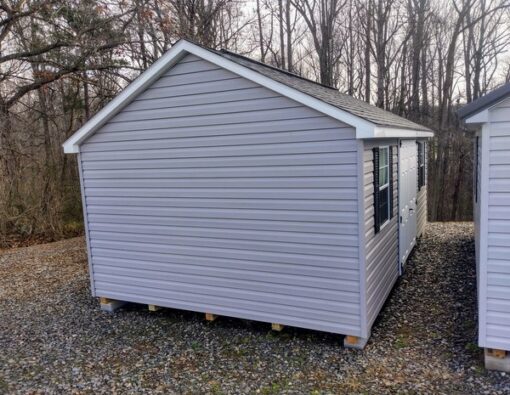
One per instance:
[(497, 277), (381, 248), (421, 198), (213, 194)]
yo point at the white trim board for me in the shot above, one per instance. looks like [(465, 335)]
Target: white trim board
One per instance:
[(364, 128)]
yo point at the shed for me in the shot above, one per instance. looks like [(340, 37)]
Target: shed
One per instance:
[(489, 118), (218, 184)]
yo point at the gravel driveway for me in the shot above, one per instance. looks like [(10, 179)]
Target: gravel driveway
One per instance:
[(54, 338)]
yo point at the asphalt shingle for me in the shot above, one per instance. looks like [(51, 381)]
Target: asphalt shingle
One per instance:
[(326, 94)]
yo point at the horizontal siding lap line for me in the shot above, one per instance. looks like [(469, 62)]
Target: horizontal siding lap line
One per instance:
[(194, 67), (279, 237), (268, 215), (264, 256), (239, 299), (328, 316), (145, 164), (341, 205), (200, 77), (381, 271), (200, 93), (375, 243), (341, 145), (228, 193), (197, 67), (189, 92), (237, 106), (265, 96), (221, 152), (227, 267), (226, 77), (339, 250), (279, 114), (240, 313), (389, 264), (377, 297), (206, 174), (230, 283), (139, 161), (283, 226), (167, 135), (163, 257), (383, 291), (297, 123), (302, 136), (221, 112)]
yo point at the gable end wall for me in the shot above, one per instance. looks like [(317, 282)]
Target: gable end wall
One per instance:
[(213, 194)]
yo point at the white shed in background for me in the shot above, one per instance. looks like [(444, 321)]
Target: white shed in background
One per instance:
[(217, 184), (489, 118)]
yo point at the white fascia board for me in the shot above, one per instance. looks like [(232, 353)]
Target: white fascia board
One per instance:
[(479, 118), (388, 132), (177, 52)]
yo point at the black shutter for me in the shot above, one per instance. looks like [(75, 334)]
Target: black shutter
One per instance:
[(424, 177), (420, 174), (390, 170), (376, 190)]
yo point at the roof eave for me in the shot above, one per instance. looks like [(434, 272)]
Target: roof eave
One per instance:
[(391, 132), (364, 128)]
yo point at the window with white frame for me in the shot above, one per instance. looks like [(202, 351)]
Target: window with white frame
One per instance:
[(421, 164), (382, 186)]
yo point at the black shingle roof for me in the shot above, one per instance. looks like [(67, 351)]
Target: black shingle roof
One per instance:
[(326, 94), (484, 102)]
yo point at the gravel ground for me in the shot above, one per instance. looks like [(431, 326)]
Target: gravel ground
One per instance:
[(54, 338)]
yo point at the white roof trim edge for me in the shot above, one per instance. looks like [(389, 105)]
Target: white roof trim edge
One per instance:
[(364, 129), (389, 132)]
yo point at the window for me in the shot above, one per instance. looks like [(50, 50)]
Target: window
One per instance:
[(383, 188), (421, 164)]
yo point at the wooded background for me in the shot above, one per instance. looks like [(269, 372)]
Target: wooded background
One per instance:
[(62, 60)]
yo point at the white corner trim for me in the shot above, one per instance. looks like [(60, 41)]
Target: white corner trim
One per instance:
[(364, 128), (484, 234)]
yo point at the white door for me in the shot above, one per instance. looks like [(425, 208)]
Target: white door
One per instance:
[(407, 189)]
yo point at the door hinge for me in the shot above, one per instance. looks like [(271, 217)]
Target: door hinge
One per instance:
[(400, 219)]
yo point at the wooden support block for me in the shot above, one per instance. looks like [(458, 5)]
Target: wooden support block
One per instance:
[(497, 360), (110, 305), (210, 317), (355, 342), (153, 307), (105, 300), (277, 327), (493, 352)]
